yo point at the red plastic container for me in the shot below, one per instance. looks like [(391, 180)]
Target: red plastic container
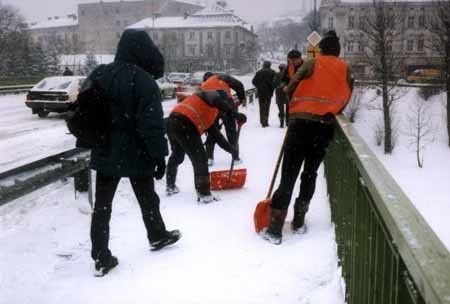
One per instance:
[(221, 180)]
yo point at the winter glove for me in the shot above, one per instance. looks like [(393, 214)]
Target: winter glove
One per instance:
[(159, 168), (241, 118)]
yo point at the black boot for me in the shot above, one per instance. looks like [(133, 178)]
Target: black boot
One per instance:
[(298, 222), (169, 238), (273, 234), (102, 268), (281, 123)]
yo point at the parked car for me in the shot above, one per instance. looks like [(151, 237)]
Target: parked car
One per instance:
[(178, 77), (53, 94), (188, 88), (167, 88)]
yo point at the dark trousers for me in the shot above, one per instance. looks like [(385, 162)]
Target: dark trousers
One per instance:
[(185, 139), (148, 200), (264, 107), (306, 143), (283, 106), (230, 131)]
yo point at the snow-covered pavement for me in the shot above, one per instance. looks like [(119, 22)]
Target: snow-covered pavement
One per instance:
[(45, 243)]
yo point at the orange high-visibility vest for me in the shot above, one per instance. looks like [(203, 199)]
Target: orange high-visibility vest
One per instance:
[(201, 114), (291, 71), (326, 91), (214, 83)]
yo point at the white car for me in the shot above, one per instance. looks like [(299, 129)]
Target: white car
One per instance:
[(53, 94), (167, 88), (178, 78)]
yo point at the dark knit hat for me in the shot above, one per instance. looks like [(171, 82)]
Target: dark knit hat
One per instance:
[(329, 44), (294, 54), (282, 66), (267, 64), (207, 75)]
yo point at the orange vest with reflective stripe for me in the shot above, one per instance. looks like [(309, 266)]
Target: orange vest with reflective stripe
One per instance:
[(201, 114), (214, 83), (325, 91)]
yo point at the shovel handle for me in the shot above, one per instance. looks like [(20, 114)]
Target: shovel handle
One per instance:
[(237, 146), (277, 166)]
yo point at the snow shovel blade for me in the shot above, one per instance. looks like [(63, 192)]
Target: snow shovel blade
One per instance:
[(221, 180), (261, 216)]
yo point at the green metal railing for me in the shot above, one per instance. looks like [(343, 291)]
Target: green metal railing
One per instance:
[(387, 251)]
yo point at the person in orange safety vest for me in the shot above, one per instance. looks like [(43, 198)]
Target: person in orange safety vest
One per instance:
[(319, 90), (188, 120)]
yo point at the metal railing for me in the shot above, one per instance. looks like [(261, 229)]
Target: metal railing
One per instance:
[(387, 251), (15, 89)]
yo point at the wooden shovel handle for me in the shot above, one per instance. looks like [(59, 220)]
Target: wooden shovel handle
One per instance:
[(237, 147), (277, 166)]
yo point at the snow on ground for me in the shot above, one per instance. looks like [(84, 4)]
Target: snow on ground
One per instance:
[(45, 243), (426, 187)]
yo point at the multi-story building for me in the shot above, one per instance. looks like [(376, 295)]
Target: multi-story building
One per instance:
[(102, 23), (211, 39), (63, 30), (415, 44)]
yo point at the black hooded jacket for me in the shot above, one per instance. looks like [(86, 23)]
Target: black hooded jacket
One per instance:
[(137, 135)]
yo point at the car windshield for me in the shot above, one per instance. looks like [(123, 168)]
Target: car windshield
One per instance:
[(54, 83)]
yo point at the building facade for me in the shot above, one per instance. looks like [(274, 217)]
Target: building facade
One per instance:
[(211, 39), (415, 43), (102, 23)]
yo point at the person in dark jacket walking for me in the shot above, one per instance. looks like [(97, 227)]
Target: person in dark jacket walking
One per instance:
[(280, 95), (263, 82), (188, 120), (137, 144), (227, 83), (320, 89), (67, 72)]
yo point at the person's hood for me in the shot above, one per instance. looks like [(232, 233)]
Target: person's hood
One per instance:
[(135, 46)]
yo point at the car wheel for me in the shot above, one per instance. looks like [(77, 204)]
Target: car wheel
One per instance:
[(42, 113)]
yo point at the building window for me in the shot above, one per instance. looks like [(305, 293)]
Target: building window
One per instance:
[(389, 46), (420, 45), (330, 22), (360, 47), (228, 35), (118, 22), (210, 35), (155, 35), (351, 21), (409, 45), (105, 12), (191, 50), (82, 12), (228, 51), (411, 21), (191, 35), (117, 10), (210, 50), (349, 46), (421, 21), (117, 34)]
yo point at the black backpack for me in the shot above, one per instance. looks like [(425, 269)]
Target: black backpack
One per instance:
[(89, 117)]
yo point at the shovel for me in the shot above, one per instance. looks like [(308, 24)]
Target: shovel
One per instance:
[(228, 179), (261, 216)]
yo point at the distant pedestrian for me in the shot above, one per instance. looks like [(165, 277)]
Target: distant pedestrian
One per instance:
[(281, 96), (320, 89), (294, 62), (227, 83), (263, 82), (137, 144), (188, 120), (67, 72)]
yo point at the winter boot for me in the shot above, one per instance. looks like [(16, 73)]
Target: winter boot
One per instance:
[(169, 238), (206, 198), (273, 234), (171, 190), (102, 268), (298, 222), (281, 123)]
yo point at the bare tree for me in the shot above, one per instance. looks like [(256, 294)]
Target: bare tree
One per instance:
[(420, 129), (439, 26), (380, 30), (355, 102)]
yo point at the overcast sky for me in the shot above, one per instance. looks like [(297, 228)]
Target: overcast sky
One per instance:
[(251, 10)]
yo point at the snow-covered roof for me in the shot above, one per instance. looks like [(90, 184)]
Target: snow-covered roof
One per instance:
[(54, 22), (213, 16), (80, 59)]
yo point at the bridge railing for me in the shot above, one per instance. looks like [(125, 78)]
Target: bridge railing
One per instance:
[(15, 89), (387, 251)]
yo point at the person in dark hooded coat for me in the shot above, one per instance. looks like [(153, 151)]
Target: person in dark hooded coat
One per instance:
[(137, 146), (263, 82)]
